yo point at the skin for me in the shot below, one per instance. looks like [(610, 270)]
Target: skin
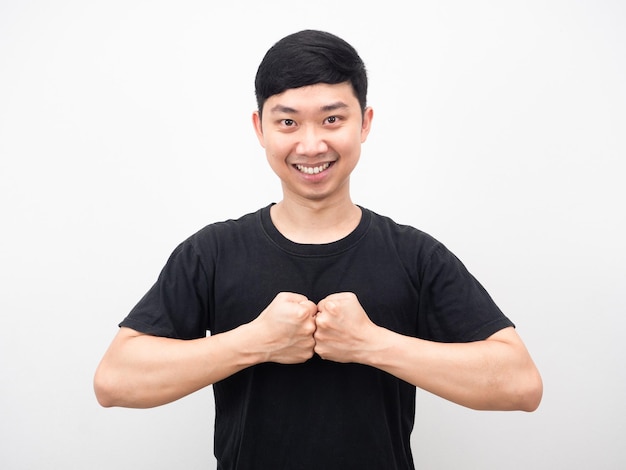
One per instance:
[(312, 126), (319, 126)]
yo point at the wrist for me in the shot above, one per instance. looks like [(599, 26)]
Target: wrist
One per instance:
[(379, 344), (241, 345)]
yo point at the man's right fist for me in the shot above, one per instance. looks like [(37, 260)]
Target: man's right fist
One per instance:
[(286, 329)]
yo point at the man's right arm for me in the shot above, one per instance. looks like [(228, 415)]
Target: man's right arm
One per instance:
[(142, 371)]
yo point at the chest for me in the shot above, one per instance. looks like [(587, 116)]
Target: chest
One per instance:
[(246, 283)]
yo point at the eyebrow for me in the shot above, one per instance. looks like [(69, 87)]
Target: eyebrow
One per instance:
[(334, 106), (279, 108)]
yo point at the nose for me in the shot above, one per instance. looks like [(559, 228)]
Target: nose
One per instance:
[(311, 142)]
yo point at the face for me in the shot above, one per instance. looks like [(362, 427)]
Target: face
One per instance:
[(312, 138)]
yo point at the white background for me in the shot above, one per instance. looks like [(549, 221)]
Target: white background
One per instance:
[(125, 127)]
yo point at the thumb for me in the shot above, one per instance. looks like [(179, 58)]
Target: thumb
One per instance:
[(309, 306), (329, 305)]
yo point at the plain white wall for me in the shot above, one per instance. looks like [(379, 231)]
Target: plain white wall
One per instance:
[(125, 126)]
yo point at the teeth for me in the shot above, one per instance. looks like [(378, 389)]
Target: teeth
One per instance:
[(312, 170)]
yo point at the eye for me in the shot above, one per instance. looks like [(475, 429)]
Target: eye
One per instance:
[(334, 120), (288, 122)]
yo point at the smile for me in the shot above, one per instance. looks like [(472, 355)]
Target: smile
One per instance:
[(312, 170)]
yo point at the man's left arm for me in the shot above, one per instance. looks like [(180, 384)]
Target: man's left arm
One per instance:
[(493, 374)]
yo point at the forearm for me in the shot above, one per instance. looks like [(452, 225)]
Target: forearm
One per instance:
[(141, 371), (495, 374)]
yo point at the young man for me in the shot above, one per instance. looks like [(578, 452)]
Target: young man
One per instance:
[(324, 316)]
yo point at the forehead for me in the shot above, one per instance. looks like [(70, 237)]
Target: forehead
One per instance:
[(320, 97)]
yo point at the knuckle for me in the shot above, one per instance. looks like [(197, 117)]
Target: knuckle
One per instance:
[(321, 321)]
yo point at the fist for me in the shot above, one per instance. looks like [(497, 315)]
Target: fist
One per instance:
[(286, 328), (344, 331)]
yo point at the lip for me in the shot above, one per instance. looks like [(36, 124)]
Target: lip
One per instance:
[(312, 170), (310, 174)]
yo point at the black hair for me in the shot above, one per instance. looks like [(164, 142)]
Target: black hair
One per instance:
[(306, 58)]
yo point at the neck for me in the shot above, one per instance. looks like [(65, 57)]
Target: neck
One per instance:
[(313, 223)]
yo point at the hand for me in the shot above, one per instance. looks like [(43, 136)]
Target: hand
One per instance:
[(344, 331), (286, 328)]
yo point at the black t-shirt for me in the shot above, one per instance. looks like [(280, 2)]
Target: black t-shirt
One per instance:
[(320, 414)]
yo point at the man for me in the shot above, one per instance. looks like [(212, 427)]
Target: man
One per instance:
[(324, 316)]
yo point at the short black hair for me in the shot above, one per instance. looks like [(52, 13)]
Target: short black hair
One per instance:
[(306, 58)]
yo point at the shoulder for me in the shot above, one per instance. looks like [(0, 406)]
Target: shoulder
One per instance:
[(227, 228), (417, 249), (222, 235), (403, 235)]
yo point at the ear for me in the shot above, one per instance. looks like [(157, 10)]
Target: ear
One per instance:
[(366, 125), (258, 127)]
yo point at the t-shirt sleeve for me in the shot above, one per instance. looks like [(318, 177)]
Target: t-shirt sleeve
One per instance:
[(176, 306), (454, 306)]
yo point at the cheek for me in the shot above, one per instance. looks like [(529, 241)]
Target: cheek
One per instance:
[(349, 144), (276, 160), (277, 147)]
